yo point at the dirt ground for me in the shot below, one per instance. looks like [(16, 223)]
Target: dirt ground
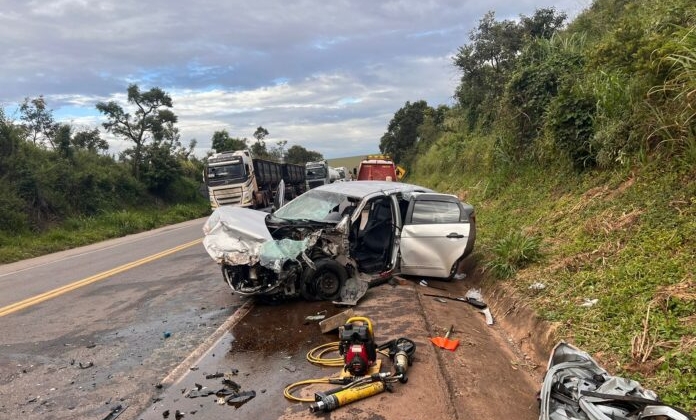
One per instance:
[(496, 370), (494, 373)]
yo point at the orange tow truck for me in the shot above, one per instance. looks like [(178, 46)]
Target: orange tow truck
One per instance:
[(379, 168)]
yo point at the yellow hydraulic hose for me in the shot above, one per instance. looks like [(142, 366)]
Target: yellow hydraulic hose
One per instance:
[(287, 392), (315, 356)]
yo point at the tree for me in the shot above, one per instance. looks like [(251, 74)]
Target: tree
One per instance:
[(260, 133), (487, 62), (152, 113), (62, 143), (161, 166), (38, 120), (543, 24), (401, 137), (222, 142), (259, 149), (484, 63), (90, 140), (299, 155), (11, 138), (278, 152)]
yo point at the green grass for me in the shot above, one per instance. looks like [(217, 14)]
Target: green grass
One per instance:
[(87, 230), (626, 238), (515, 251)]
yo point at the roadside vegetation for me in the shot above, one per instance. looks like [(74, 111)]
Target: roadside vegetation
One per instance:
[(61, 188), (576, 143)]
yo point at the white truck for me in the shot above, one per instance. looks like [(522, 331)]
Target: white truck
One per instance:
[(235, 178), (317, 174)]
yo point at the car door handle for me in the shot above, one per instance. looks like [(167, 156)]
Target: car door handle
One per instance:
[(454, 235)]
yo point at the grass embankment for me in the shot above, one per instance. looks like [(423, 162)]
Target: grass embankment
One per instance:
[(81, 231), (627, 239)]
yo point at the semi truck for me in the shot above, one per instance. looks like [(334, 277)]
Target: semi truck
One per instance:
[(236, 178), (320, 173), (317, 173)]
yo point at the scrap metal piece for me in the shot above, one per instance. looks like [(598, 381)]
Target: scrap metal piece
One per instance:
[(487, 313), (354, 288), (115, 412), (575, 386), (195, 393), (331, 323), (240, 399)]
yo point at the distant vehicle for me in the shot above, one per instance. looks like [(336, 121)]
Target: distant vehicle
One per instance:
[(342, 172), (335, 239), (317, 173), (377, 168), (334, 175), (236, 179)]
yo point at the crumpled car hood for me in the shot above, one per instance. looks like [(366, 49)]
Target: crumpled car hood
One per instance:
[(239, 236), (575, 387)]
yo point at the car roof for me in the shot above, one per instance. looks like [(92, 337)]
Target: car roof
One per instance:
[(361, 189)]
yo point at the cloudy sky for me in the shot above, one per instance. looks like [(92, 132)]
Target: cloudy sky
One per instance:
[(327, 75)]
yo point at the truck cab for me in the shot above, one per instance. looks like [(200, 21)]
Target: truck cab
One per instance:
[(229, 177), (317, 173)]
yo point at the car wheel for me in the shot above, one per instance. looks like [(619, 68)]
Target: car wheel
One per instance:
[(324, 282)]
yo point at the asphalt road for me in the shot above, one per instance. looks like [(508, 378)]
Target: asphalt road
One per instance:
[(85, 330)]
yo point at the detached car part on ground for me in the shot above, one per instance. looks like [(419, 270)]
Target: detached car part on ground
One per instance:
[(331, 242), (577, 388)]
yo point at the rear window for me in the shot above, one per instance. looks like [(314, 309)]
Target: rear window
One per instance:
[(429, 212)]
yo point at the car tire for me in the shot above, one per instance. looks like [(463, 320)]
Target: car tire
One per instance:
[(324, 282)]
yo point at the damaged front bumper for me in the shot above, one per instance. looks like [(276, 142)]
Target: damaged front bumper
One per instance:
[(306, 259)]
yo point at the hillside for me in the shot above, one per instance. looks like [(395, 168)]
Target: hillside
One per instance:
[(348, 162), (626, 239), (578, 151)]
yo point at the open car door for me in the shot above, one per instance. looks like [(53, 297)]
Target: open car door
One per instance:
[(437, 233)]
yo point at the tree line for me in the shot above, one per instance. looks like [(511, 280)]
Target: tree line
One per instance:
[(51, 171), (222, 142), (607, 90)]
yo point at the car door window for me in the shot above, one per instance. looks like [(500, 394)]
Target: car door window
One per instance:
[(433, 212)]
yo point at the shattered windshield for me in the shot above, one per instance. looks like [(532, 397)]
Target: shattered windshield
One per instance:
[(313, 205)]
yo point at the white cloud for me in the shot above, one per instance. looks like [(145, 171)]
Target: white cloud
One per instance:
[(325, 75)]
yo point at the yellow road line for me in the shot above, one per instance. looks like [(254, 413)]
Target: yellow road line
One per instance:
[(89, 280)]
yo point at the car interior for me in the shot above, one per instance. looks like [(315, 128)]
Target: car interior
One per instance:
[(372, 236)]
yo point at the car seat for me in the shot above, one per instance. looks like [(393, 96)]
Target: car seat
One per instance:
[(374, 240)]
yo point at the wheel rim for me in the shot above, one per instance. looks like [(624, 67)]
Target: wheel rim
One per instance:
[(328, 284)]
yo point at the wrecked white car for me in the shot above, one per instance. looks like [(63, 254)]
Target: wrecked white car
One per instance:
[(331, 242), (575, 387)]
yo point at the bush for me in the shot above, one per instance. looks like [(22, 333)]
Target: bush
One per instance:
[(570, 122), (514, 252), (541, 68), (13, 219)]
